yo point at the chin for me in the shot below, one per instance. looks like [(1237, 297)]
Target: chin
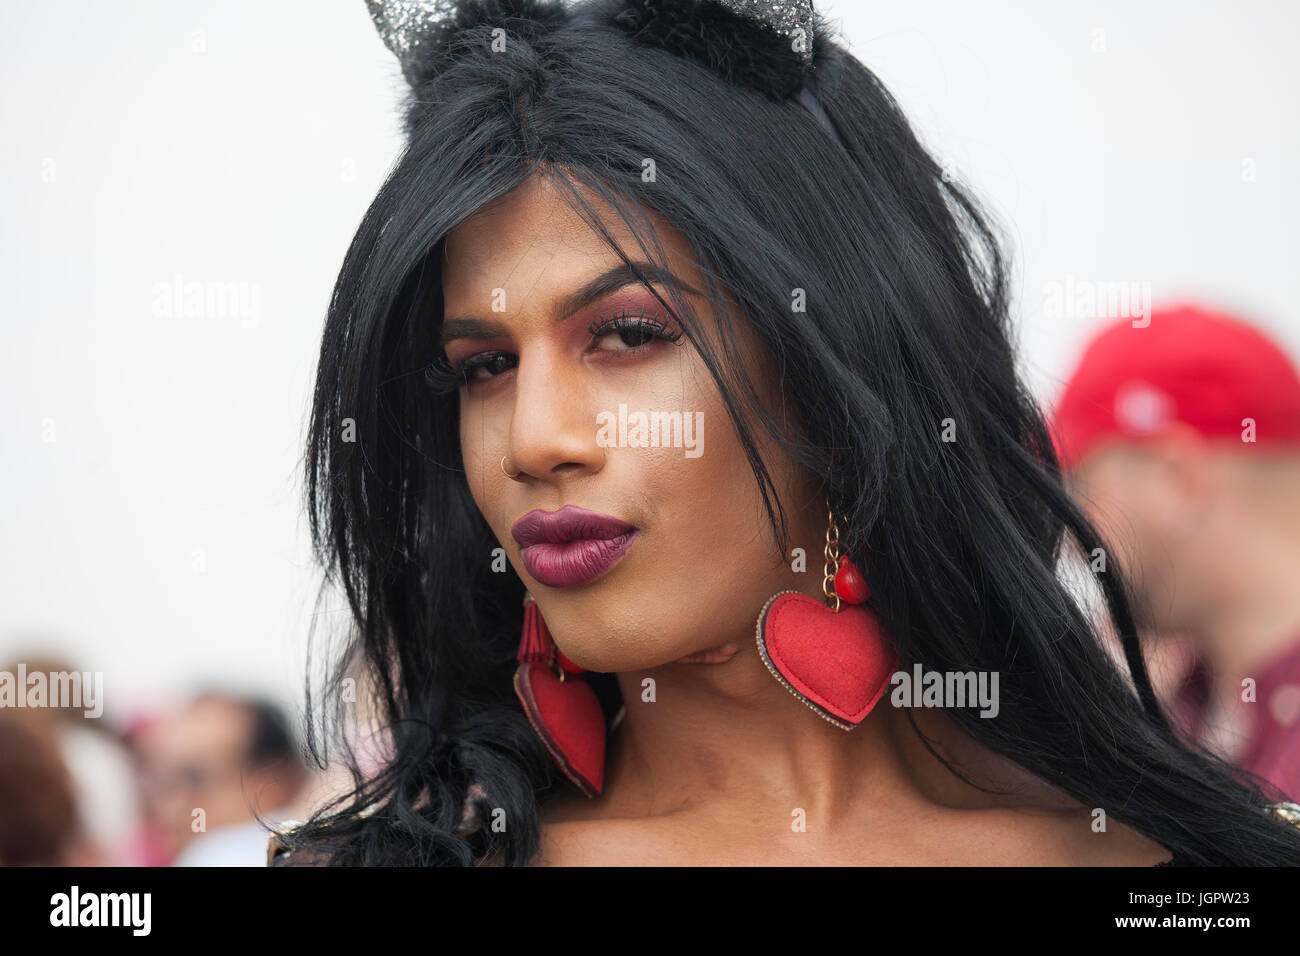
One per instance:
[(605, 644)]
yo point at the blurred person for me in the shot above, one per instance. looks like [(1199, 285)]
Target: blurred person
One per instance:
[(210, 770), (1181, 439), (1167, 660), (148, 845), (39, 823), (94, 752), (104, 779)]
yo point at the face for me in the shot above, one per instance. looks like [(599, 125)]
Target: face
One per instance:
[(194, 760), (560, 384), (1137, 500)]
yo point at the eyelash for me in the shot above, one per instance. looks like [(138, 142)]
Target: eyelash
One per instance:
[(444, 379)]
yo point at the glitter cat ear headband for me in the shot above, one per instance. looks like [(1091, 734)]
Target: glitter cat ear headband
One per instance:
[(769, 45)]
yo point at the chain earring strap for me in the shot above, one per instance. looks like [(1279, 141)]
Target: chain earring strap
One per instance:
[(832, 560)]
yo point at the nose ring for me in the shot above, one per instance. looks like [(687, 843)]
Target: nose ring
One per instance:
[(515, 476)]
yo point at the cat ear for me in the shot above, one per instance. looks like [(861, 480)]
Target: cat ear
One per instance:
[(770, 45), (421, 33)]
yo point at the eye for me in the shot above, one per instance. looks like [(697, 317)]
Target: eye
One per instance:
[(629, 333), (444, 379), (485, 365)]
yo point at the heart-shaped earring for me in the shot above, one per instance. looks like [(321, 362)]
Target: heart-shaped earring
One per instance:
[(561, 705), (837, 660)]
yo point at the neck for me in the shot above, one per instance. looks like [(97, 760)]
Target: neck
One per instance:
[(728, 729), (724, 737)]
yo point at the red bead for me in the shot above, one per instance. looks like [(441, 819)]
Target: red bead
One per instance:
[(849, 583), (568, 665)]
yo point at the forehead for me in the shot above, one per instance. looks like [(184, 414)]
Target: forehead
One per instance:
[(532, 240), (206, 728)]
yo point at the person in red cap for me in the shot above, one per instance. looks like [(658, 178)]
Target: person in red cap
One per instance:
[(1181, 440)]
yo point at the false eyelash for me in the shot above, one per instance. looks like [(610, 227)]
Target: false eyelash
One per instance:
[(626, 320), (442, 378)]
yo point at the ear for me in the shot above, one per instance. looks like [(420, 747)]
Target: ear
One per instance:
[(1189, 478), (1183, 453), (769, 45), (424, 35)]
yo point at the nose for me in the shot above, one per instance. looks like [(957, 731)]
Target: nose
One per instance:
[(553, 425)]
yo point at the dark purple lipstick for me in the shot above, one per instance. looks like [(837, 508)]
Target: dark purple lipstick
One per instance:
[(572, 546)]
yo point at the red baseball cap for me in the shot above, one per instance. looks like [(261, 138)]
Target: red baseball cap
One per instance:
[(1188, 366)]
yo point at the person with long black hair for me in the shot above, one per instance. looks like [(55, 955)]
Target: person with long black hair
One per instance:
[(669, 448)]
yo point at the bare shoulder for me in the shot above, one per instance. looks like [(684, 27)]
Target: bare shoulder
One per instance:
[(1066, 837), (609, 842), (596, 842)]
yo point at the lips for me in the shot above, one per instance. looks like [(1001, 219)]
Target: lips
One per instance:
[(572, 546)]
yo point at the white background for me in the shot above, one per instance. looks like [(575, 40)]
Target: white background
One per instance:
[(158, 536)]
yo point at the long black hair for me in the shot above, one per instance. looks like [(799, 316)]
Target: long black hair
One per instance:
[(904, 342)]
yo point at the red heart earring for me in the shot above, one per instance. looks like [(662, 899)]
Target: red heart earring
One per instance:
[(835, 659), (560, 704)]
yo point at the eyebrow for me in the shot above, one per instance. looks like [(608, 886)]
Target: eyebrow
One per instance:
[(607, 283)]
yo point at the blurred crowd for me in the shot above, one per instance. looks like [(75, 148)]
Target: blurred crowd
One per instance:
[(1179, 434), (194, 784)]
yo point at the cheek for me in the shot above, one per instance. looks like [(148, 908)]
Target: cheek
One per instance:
[(713, 561), (478, 442), (1156, 513), (1110, 504), (1136, 515), (705, 490), (1107, 515)]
